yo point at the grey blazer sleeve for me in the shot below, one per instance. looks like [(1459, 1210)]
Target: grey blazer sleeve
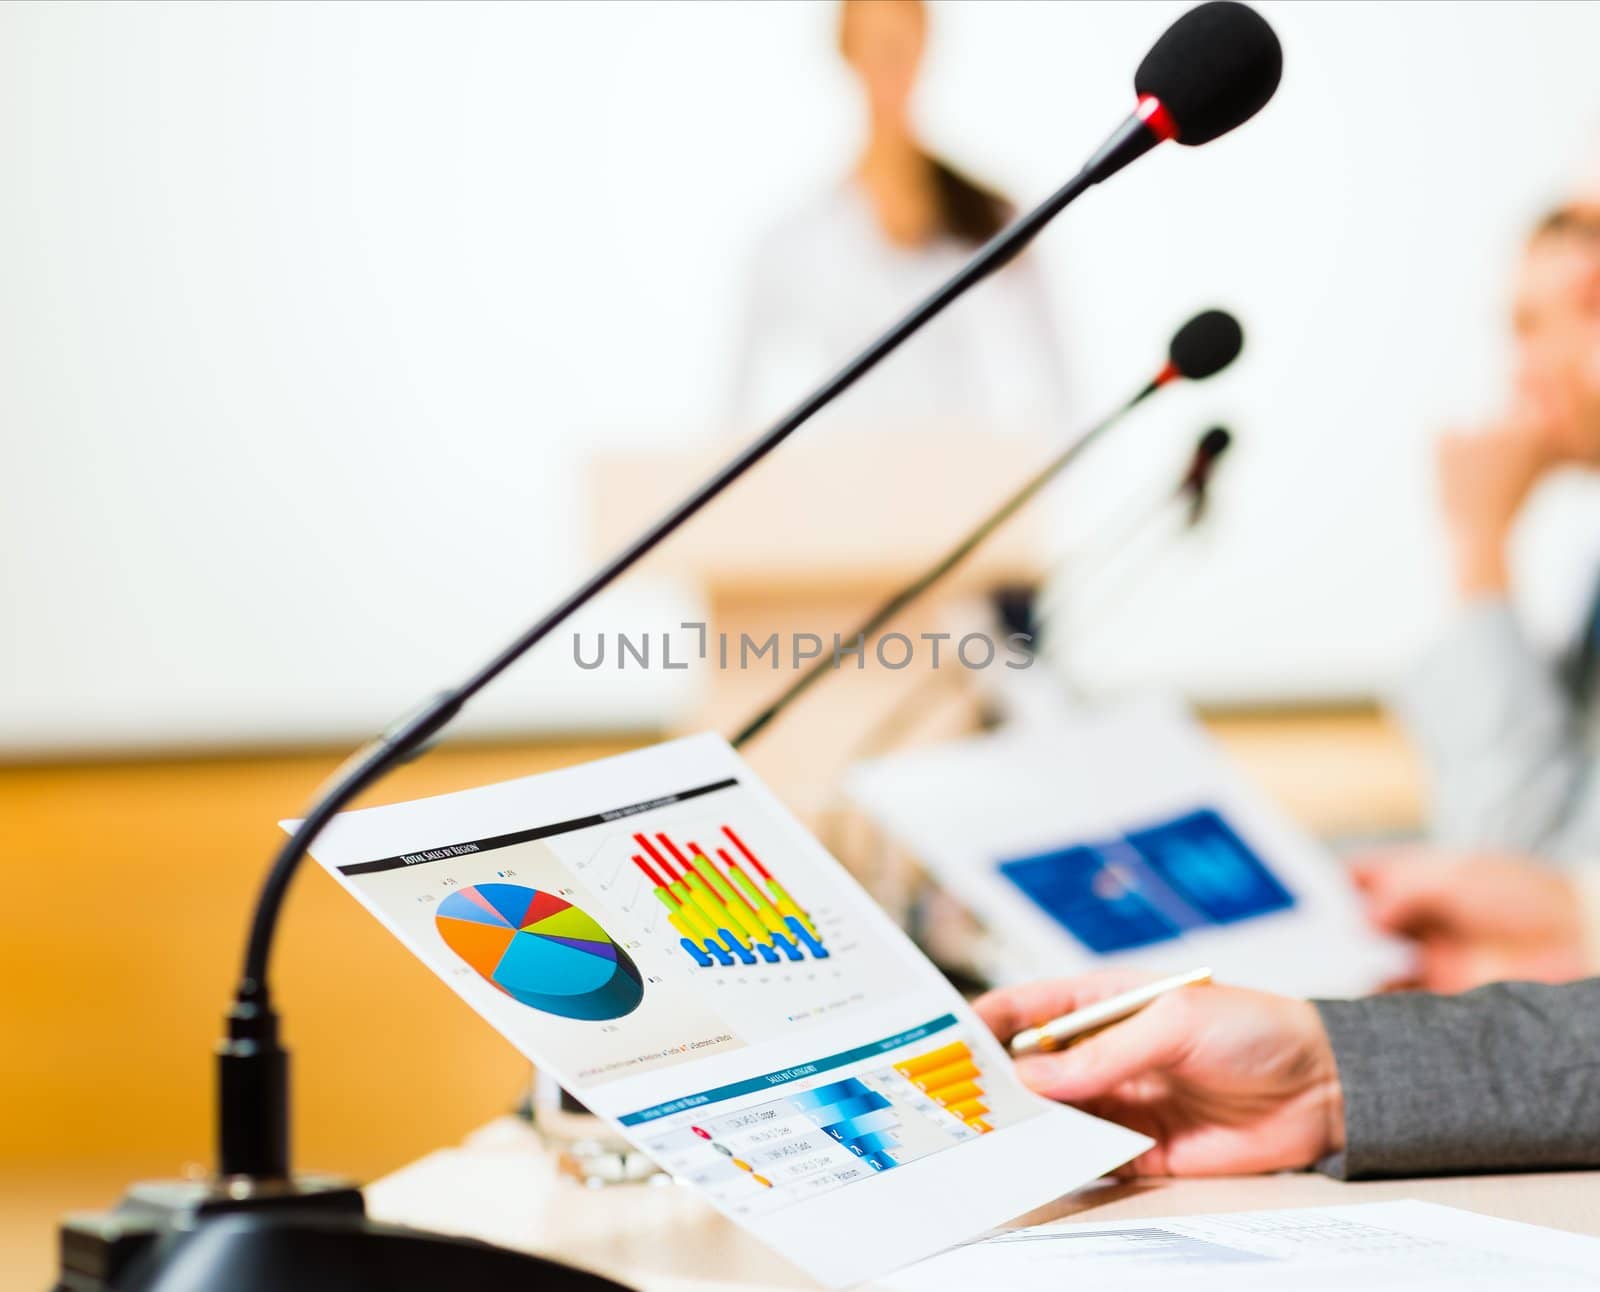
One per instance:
[(1500, 1079), (1501, 739)]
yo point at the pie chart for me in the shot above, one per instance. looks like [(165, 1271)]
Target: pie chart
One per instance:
[(541, 950)]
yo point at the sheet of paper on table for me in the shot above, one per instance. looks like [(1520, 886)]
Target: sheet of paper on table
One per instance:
[(1409, 1246), (662, 936), (1125, 836)]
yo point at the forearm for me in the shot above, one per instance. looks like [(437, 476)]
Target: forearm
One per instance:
[(1498, 733), (1503, 1078), (1482, 570)]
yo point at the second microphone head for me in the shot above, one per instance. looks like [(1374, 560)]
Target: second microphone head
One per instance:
[(1206, 344)]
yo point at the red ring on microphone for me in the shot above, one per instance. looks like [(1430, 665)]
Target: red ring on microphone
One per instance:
[(1157, 120)]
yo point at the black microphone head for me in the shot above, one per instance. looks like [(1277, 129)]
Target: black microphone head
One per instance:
[(1206, 344), (1213, 444), (1212, 70)]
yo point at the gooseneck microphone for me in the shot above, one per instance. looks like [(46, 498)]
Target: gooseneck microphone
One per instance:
[(1196, 485), (1218, 64), (1201, 348), (1211, 71)]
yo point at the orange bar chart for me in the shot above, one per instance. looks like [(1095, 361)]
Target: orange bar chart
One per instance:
[(949, 1076)]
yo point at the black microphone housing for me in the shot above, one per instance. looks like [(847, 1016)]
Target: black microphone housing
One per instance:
[(1205, 345), (1214, 443), (1212, 70)]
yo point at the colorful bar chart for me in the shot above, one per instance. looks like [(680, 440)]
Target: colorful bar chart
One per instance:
[(726, 911), (949, 1076)]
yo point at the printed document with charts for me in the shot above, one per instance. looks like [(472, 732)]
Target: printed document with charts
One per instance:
[(657, 932)]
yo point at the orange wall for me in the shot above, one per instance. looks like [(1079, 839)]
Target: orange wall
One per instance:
[(122, 918)]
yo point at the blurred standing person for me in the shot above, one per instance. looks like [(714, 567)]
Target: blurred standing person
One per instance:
[(845, 264)]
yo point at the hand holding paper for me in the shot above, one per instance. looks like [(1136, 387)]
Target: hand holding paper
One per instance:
[(1227, 1081)]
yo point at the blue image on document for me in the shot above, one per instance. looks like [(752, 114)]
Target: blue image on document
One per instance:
[(1210, 867), (1087, 893), (1151, 884)]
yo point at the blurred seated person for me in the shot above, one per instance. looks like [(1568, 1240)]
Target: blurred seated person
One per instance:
[(1232, 1082), (837, 271), (1510, 738)]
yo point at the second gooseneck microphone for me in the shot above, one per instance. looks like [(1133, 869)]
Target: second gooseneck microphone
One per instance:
[(1201, 348), (1196, 486)]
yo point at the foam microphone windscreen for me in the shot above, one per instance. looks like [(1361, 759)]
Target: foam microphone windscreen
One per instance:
[(1206, 344), (1212, 70), (1214, 443)]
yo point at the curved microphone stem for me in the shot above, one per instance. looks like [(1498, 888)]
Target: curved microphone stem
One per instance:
[(252, 1065), (963, 549)]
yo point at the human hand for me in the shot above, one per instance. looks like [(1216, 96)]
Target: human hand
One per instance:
[(1226, 1081), (1484, 478), (1475, 918)]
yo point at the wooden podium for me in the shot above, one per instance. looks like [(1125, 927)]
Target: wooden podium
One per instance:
[(813, 540)]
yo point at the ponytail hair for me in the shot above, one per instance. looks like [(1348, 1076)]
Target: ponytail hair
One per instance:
[(968, 212)]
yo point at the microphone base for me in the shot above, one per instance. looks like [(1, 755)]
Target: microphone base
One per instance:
[(310, 1234)]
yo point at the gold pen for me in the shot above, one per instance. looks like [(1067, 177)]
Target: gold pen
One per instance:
[(1061, 1032)]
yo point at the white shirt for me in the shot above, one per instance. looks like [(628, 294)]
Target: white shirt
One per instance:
[(826, 281)]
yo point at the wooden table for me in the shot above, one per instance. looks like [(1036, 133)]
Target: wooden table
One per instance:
[(502, 1186)]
